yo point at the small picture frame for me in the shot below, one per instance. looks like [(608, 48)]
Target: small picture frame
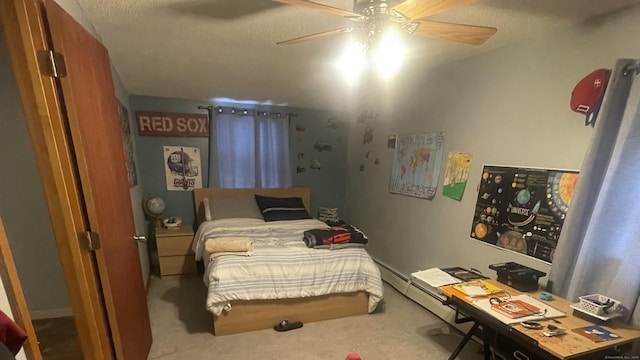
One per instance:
[(391, 142)]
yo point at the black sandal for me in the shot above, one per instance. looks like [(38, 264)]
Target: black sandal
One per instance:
[(285, 325)]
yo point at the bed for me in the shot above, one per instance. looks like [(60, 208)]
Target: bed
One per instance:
[(283, 279)]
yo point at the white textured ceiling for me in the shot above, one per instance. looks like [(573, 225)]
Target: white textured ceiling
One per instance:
[(205, 49)]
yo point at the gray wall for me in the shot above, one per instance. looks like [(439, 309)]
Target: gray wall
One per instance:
[(135, 192), (150, 156), (23, 208), (509, 106), (327, 184), (328, 188)]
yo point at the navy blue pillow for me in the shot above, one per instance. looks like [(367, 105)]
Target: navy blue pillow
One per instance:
[(277, 208)]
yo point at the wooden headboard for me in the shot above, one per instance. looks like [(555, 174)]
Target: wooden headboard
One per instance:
[(219, 193)]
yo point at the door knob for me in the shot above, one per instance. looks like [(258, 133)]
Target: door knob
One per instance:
[(140, 238)]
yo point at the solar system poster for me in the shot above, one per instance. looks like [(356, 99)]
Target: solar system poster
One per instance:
[(523, 209)]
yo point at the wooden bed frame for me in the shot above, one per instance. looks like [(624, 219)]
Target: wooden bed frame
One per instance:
[(250, 315)]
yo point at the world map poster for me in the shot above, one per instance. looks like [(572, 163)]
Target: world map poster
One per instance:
[(523, 209), (416, 164)]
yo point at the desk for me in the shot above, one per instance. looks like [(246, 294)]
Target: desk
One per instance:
[(531, 344)]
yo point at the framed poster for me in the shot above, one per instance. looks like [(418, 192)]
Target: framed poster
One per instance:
[(128, 145), (523, 209), (416, 164), (182, 168)]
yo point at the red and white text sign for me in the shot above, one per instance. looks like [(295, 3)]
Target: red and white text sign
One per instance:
[(172, 124)]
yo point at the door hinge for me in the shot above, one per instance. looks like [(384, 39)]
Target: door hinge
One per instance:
[(51, 63), (90, 240)]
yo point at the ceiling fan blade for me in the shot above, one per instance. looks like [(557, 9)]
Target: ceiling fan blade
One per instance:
[(317, 6), (417, 9), (315, 36), (468, 34)]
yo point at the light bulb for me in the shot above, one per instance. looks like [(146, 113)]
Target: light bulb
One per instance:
[(352, 62), (389, 54)]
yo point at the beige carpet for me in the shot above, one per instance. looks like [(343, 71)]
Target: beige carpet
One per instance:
[(400, 329)]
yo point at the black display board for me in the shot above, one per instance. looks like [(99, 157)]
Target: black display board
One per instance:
[(523, 209)]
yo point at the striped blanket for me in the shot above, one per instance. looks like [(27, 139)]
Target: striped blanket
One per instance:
[(281, 266)]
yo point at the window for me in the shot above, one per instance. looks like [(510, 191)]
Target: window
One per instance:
[(252, 151)]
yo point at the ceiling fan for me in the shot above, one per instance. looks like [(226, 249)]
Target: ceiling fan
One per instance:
[(372, 16)]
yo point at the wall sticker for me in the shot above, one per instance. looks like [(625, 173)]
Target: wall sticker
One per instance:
[(333, 123), (366, 115), (367, 137), (315, 164), (321, 146)]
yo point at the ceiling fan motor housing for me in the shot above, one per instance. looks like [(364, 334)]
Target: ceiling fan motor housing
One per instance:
[(370, 7)]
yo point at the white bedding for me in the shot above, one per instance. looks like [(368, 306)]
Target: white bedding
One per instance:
[(281, 266)]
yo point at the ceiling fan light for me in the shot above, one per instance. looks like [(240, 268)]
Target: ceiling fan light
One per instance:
[(389, 54), (352, 61)]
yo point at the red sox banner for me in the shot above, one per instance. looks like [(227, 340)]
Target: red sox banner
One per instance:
[(172, 124)]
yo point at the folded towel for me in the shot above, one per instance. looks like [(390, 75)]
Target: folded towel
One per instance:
[(237, 253), (240, 244)]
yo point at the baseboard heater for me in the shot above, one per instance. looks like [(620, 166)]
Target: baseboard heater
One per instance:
[(422, 296)]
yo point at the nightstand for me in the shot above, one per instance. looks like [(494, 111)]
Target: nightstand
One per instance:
[(174, 250)]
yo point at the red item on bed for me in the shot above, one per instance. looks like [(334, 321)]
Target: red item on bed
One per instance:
[(353, 356), (11, 335), (334, 235)]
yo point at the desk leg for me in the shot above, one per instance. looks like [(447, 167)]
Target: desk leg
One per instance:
[(487, 350), (464, 342)]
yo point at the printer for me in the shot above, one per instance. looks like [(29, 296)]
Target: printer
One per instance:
[(518, 276)]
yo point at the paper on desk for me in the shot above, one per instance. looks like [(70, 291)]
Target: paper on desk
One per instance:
[(551, 311), (474, 290), (435, 277)]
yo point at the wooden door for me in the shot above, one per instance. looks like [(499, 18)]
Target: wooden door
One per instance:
[(27, 36), (92, 110)]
